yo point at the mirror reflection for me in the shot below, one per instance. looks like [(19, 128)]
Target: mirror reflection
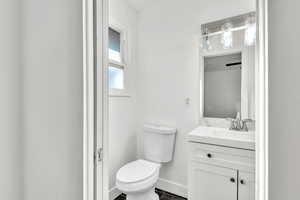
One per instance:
[(222, 85)]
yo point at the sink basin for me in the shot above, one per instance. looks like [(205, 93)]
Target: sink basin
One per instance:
[(223, 137)]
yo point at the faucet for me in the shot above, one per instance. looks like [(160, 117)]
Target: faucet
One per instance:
[(239, 124)]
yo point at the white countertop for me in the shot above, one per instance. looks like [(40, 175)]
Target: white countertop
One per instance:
[(223, 137)]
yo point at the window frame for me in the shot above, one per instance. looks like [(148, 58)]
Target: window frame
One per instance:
[(115, 92)]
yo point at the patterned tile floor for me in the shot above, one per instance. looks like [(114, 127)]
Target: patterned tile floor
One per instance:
[(163, 195)]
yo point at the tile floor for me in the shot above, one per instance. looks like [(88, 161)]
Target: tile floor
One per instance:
[(163, 195)]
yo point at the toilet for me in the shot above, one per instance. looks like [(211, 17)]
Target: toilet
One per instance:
[(137, 179)]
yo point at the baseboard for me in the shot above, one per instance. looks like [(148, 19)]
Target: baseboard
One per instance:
[(172, 187), (113, 193)]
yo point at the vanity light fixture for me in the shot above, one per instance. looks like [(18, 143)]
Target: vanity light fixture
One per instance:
[(224, 29), (226, 38)]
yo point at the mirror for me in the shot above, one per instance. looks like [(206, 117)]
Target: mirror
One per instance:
[(222, 85), (227, 83)]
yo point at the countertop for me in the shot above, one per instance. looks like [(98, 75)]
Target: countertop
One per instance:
[(223, 137)]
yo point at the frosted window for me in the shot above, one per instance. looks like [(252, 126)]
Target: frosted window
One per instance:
[(116, 77)]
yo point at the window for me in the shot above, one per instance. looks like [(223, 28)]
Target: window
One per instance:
[(115, 46), (116, 77), (116, 67)]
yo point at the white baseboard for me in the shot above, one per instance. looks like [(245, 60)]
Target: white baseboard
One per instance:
[(172, 187), (113, 193)]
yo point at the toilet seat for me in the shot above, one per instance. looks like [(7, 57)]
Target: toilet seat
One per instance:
[(138, 175)]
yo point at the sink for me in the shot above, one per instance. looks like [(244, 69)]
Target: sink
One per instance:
[(223, 137)]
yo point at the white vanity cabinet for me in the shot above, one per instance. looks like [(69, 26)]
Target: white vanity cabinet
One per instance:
[(220, 173)]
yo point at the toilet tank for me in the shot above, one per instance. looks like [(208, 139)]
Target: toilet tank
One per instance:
[(159, 143)]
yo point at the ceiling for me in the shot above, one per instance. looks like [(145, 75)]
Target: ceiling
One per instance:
[(140, 4)]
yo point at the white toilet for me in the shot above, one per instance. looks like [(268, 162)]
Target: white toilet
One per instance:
[(137, 179)]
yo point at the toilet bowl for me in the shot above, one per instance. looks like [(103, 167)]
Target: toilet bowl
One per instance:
[(137, 179)]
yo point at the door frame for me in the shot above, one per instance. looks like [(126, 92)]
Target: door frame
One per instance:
[(96, 123), (88, 100), (262, 104), (95, 100)]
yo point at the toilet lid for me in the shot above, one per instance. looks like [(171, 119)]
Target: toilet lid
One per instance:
[(136, 171)]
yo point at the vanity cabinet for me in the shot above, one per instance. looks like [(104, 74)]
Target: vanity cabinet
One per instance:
[(220, 173), (210, 182)]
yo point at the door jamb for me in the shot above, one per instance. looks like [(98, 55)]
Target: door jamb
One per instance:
[(88, 100), (262, 107), (95, 98)]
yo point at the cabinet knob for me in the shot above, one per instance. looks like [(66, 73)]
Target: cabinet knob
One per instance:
[(209, 155), (242, 182), (232, 180)]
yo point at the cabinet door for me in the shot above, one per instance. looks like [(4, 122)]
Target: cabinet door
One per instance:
[(246, 186), (209, 182)]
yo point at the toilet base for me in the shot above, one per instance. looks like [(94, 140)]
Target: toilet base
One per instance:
[(146, 195)]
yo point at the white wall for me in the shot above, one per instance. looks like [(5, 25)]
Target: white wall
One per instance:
[(122, 110), (52, 107), (168, 68), (10, 123), (284, 99)]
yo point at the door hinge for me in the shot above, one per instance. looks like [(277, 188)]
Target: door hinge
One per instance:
[(98, 155)]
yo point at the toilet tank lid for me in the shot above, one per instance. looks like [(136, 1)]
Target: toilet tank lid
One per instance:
[(160, 129)]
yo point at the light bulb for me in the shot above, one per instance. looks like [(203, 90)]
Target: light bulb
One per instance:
[(206, 43), (250, 34), (226, 39)]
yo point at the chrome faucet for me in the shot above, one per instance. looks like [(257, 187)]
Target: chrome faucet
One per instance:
[(239, 124)]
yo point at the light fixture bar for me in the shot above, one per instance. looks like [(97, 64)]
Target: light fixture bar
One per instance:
[(221, 32)]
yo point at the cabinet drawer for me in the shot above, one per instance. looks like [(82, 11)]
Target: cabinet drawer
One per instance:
[(222, 156)]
